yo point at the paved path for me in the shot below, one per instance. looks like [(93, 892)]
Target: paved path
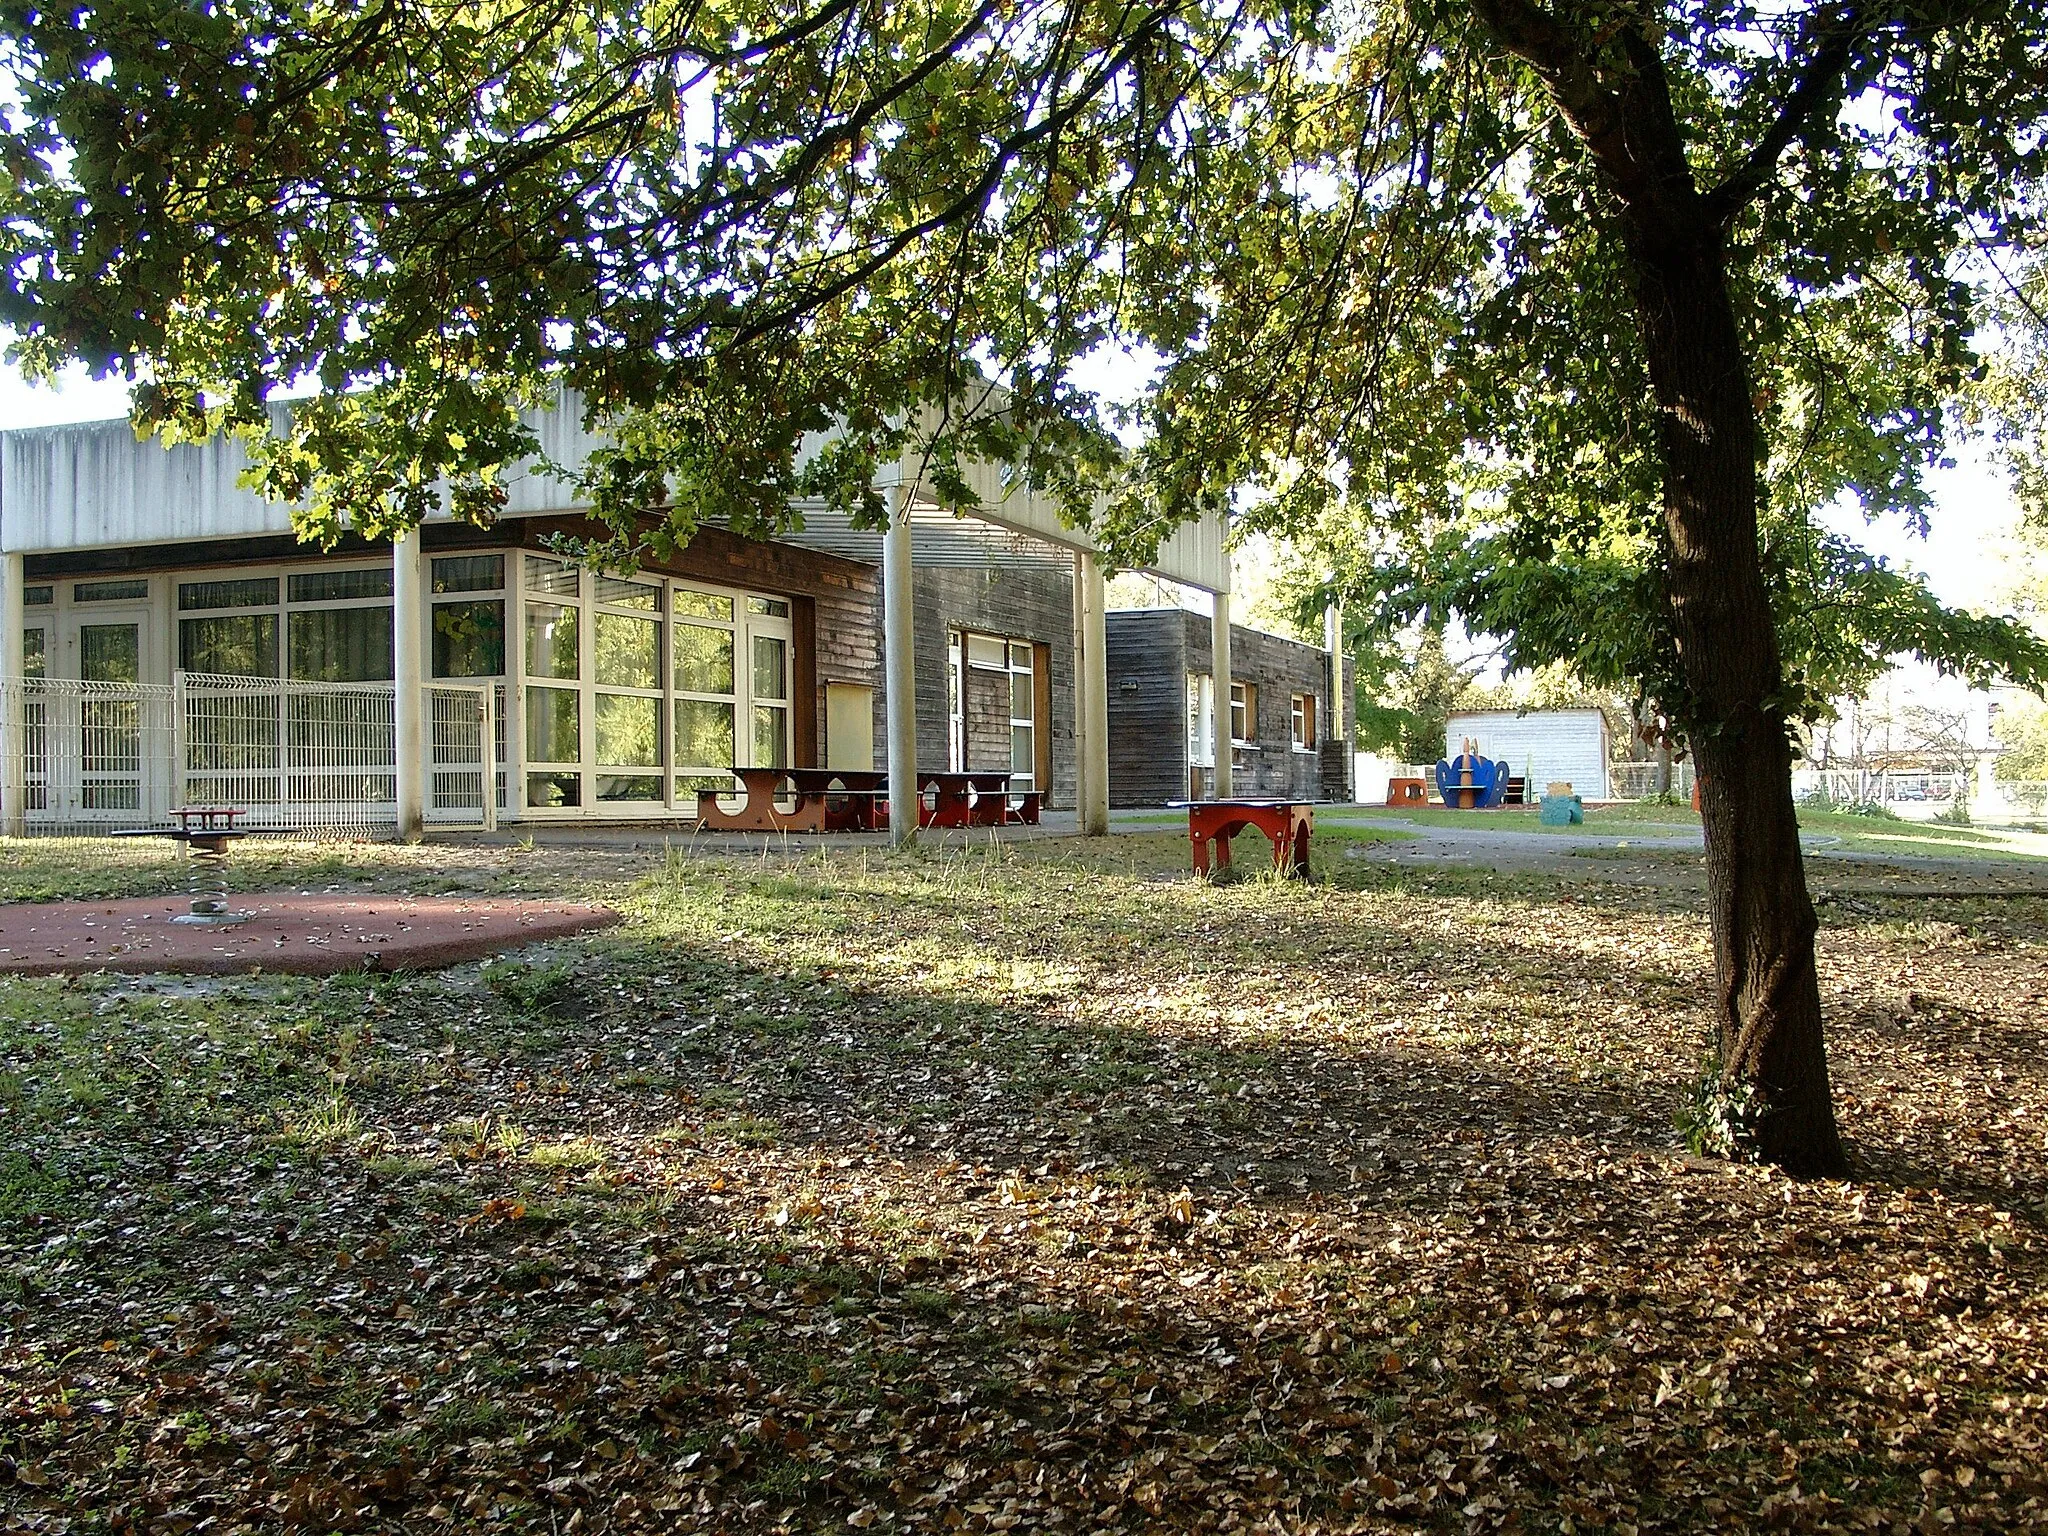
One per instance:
[(1646, 851)]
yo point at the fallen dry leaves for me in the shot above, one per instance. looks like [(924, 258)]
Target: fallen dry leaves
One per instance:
[(1031, 1192)]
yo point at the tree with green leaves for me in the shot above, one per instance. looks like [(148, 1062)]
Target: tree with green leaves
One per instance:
[(1593, 308), (1563, 319)]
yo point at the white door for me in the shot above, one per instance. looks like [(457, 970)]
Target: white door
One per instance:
[(97, 766)]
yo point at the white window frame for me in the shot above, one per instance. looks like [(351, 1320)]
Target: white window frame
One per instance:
[(1301, 716), (282, 609), (1250, 706), (959, 662), (747, 623), (1201, 710)]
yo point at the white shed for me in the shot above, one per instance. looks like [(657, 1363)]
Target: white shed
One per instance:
[(1541, 746)]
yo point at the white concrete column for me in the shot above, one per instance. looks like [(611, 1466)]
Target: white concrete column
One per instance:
[(899, 673), (408, 672), (1084, 756), (1334, 728), (1091, 690), (1219, 671), (13, 665)]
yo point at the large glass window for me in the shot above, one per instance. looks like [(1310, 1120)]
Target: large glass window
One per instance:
[(469, 630), (641, 689), (1301, 712), (992, 701), (469, 639), (1244, 711), (628, 651), (771, 699), (551, 641), (234, 645), (704, 733), (554, 715), (703, 658), (237, 592), (110, 653), (340, 586), (626, 642), (134, 591), (329, 624), (469, 573), (1201, 720), (707, 691), (341, 645)]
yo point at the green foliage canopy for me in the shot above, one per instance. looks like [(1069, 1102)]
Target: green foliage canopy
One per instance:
[(773, 246)]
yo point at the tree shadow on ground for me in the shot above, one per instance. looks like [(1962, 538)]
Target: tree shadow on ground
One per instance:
[(808, 1213)]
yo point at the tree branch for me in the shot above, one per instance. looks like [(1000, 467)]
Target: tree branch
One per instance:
[(1835, 36), (1598, 113)]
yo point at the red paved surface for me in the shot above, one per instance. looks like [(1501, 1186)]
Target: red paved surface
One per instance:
[(311, 935)]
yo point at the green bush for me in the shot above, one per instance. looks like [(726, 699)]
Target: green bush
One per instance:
[(1719, 1118)]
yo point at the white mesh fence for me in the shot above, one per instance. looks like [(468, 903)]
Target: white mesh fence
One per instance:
[(90, 757), (1895, 788), (291, 755), (465, 745)]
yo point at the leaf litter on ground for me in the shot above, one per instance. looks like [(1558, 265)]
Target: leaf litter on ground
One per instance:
[(1020, 1189)]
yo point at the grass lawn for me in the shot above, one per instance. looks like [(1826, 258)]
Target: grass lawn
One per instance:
[(1032, 1189)]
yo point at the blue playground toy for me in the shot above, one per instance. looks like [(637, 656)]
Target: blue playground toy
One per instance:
[(1471, 782)]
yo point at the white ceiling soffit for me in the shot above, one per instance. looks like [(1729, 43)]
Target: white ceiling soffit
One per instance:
[(1192, 554)]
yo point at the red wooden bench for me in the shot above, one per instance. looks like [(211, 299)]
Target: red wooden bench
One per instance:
[(1286, 823)]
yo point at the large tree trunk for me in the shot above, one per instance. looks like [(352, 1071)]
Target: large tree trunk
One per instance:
[(1768, 992)]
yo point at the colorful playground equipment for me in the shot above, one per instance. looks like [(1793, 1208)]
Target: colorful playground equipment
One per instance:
[(1471, 782)]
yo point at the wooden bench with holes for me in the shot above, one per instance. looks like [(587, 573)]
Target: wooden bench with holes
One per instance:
[(1286, 823), (857, 800)]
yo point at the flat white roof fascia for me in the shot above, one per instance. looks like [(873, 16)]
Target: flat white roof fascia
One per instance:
[(95, 485)]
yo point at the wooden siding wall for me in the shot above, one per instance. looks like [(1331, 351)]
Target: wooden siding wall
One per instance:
[(1020, 602), (1157, 648), (1148, 728)]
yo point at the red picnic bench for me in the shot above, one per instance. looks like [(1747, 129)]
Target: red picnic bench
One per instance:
[(857, 800), (1286, 823)]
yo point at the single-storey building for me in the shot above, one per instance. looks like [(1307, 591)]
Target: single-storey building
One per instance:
[(1285, 718), (166, 639), (1540, 746)]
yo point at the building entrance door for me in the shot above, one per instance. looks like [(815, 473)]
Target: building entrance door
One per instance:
[(103, 739)]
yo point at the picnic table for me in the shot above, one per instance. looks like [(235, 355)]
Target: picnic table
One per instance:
[(1286, 823), (975, 798), (206, 831), (857, 800), (820, 800)]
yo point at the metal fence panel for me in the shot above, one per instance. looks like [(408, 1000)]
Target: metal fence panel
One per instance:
[(1638, 781), (461, 719), (92, 756), (293, 755), (1887, 787)]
